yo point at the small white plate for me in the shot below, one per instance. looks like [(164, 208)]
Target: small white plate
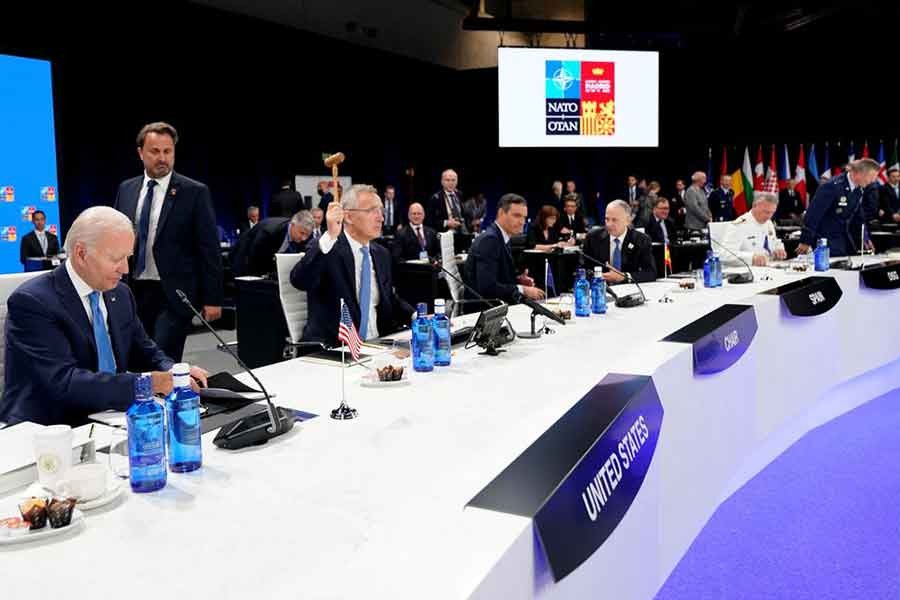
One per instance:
[(77, 523), (371, 380), (114, 489)]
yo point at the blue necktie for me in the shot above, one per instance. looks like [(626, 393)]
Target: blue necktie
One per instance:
[(144, 229), (617, 256), (106, 361), (365, 292), (766, 243)]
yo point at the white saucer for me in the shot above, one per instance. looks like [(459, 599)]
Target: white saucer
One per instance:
[(76, 524), (114, 489)]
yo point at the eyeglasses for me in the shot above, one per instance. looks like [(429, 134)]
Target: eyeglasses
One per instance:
[(369, 211)]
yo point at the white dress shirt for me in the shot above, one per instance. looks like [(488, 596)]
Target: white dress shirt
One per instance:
[(662, 225), (42, 240), (84, 290), (326, 243), (159, 196)]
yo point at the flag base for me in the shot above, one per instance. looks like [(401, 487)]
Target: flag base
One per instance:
[(344, 412)]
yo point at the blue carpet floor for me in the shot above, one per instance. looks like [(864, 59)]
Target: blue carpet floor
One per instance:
[(822, 521)]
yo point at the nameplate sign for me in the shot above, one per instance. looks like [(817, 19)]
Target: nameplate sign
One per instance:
[(718, 338), (579, 478), (808, 297), (883, 276)]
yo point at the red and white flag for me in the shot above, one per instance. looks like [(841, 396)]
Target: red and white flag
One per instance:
[(759, 174), (771, 184), (800, 176)]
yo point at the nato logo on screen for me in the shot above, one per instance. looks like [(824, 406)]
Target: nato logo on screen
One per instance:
[(580, 97)]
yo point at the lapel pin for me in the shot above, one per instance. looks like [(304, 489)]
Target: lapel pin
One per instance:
[(173, 191), (630, 245)]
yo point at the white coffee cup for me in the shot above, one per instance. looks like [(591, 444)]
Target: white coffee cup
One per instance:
[(84, 482), (53, 454)]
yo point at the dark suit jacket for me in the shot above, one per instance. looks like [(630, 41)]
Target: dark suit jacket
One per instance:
[(837, 213), (285, 202), (406, 243), (400, 217), (51, 358), (676, 203), (326, 199), (637, 258), (489, 268), (889, 202), (788, 204), (655, 231), (536, 236), (326, 278), (721, 204), (436, 211), (563, 221), (31, 248), (255, 252), (186, 249)]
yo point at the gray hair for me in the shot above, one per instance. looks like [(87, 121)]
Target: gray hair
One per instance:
[(350, 198), (92, 223), (763, 196), (864, 164), (304, 220), (251, 208), (316, 210), (626, 208)]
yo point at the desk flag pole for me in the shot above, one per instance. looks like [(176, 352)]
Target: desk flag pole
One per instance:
[(349, 340), (667, 261)]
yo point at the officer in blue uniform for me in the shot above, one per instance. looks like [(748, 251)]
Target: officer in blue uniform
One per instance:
[(839, 209)]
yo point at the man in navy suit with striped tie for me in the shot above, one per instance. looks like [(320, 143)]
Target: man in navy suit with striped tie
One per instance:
[(73, 339)]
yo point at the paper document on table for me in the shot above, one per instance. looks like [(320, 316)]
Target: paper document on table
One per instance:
[(625, 289)]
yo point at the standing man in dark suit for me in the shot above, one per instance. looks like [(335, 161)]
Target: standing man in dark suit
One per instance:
[(624, 248), (556, 196), (38, 243), (721, 200), (444, 211), (177, 246), (889, 198), (790, 205), (489, 267), (839, 209), (255, 254), (348, 266), (326, 197), (416, 239), (393, 211), (73, 339), (676, 206), (286, 202), (661, 228)]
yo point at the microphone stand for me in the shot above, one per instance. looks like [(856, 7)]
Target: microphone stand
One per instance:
[(734, 277), (480, 297), (257, 428), (628, 300)]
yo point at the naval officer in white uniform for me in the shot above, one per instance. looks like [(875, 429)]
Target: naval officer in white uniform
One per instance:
[(752, 235)]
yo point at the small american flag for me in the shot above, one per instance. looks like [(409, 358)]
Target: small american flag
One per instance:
[(347, 331)]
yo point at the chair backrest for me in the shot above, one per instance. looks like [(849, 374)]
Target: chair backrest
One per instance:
[(2, 348), (448, 258), (293, 301), (717, 230)]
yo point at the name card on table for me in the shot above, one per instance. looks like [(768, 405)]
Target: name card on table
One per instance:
[(883, 276), (809, 297), (579, 478), (719, 338)]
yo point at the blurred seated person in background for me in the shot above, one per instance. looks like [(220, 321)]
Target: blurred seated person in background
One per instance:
[(790, 205), (661, 228), (38, 243), (752, 235), (474, 210), (345, 265), (74, 343), (556, 195), (579, 199), (646, 204), (318, 216), (393, 213), (571, 222), (621, 246), (889, 198), (543, 235), (252, 220), (489, 268), (256, 251), (416, 240)]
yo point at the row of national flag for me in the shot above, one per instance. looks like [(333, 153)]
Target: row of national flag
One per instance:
[(777, 173)]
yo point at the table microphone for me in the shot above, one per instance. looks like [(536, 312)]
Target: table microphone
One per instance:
[(481, 299), (254, 429), (628, 300), (735, 277)]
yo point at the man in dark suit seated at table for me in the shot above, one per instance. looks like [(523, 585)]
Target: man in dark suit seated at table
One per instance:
[(255, 254), (38, 243), (661, 228), (489, 266), (888, 198), (624, 248), (347, 266), (73, 339), (416, 237), (571, 221)]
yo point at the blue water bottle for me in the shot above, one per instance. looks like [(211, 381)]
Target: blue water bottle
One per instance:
[(709, 270), (146, 439), (822, 255), (598, 292), (717, 262), (183, 422), (441, 334), (422, 340), (582, 295)]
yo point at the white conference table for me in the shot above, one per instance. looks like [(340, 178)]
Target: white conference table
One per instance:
[(375, 507)]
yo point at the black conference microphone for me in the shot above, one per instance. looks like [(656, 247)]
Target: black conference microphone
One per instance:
[(627, 301), (254, 429), (481, 299), (734, 277)]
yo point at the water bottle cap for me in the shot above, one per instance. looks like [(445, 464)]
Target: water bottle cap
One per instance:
[(421, 309), (143, 387), (823, 241), (438, 302), (439, 306), (181, 369), (598, 272), (580, 273)]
